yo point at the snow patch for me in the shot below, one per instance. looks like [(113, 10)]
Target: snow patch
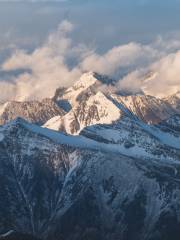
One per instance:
[(3, 107), (53, 123), (1, 137), (7, 233)]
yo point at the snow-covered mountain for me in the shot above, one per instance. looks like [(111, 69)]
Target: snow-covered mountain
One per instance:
[(110, 181), (97, 108), (91, 103), (88, 84), (104, 166), (147, 108), (88, 105), (74, 108)]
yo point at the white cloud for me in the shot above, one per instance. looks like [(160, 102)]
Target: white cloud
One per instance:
[(132, 82), (167, 79), (50, 66), (47, 65), (164, 78), (124, 56)]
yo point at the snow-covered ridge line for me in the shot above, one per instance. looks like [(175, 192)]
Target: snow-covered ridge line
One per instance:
[(84, 142), (78, 141), (165, 138)]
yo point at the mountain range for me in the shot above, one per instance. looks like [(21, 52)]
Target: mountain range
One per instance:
[(90, 164)]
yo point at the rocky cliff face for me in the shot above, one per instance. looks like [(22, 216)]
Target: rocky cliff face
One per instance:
[(147, 108), (33, 111)]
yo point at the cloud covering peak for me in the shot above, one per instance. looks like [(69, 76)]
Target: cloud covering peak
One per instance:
[(59, 63)]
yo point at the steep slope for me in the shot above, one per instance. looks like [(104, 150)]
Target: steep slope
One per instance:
[(147, 108), (33, 170), (134, 138), (96, 109), (171, 125), (87, 85), (74, 100), (86, 105), (86, 101), (58, 187), (118, 178), (174, 101), (34, 111)]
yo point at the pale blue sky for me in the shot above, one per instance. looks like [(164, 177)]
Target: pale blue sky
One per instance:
[(104, 23)]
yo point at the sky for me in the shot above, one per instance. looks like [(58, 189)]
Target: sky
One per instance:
[(125, 36), (103, 23)]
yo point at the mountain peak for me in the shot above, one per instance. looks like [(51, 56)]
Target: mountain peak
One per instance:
[(86, 80)]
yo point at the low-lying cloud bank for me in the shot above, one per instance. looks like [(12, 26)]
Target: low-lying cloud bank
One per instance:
[(60, 63), (163, 78)]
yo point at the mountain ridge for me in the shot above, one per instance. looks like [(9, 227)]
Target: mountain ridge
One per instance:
[(66, 101), (84, 112), (105, 172), (61, 175)]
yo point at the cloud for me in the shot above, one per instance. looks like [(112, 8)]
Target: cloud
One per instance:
[(132, 82), (59, 62), (152, 69), (166, 81), (160, 79), (48, 70), (120, 57)]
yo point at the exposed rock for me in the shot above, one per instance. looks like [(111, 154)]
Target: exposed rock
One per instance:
[(33, 111)]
